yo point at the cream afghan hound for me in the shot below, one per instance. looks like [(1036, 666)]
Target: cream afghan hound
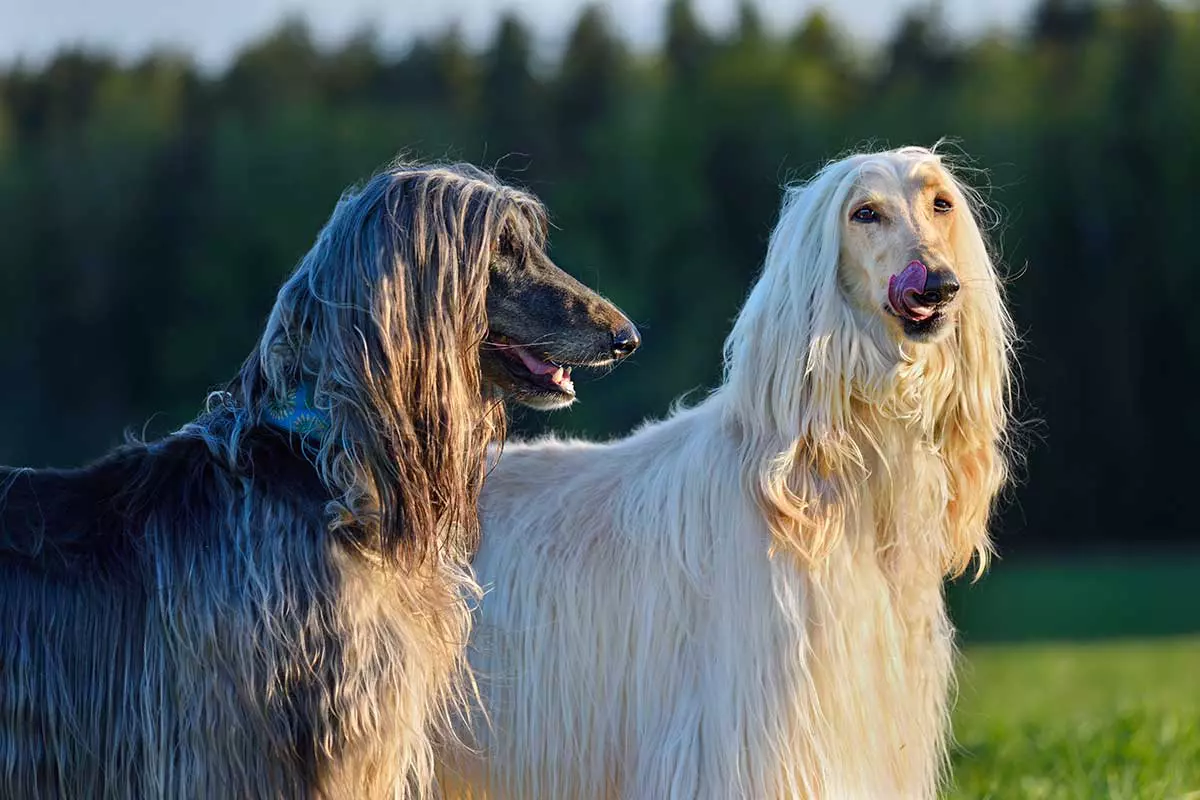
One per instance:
[(273, 601), (745, 599)]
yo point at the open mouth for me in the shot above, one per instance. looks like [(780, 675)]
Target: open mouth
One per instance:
[(533, 370)]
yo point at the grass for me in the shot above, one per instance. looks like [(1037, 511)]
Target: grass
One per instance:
[(1117, 720)]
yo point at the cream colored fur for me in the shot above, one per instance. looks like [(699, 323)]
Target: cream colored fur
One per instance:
[(745, 599)]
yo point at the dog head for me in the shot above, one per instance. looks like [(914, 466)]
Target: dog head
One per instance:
[(542, 323), (876, 262), (878, 300), (428, 292)]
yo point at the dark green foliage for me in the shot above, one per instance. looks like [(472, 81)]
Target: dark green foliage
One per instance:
[(149, 212), (1089, 597)]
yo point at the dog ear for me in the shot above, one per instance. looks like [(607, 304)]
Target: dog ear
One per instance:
[(392, 300), (790, 364), (802, 498), (975, 420)]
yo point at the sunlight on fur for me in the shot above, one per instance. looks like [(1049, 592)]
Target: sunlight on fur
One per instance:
[(744, 600), (239, 611)]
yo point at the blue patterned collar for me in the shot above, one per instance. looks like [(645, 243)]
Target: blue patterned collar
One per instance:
[(293, 414)]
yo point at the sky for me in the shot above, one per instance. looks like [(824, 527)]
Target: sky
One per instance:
[(213, 30)]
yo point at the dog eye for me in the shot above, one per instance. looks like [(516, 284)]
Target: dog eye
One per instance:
[(941, 205), (865, 214), (506, 246)]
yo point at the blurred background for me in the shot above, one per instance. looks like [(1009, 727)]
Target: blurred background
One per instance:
[(162, 169)]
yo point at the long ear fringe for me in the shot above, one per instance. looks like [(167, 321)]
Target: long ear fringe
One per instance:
[(975, 424), (789, 363), (385, 315), (804, 511)]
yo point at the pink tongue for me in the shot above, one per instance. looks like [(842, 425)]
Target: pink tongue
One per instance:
[(905, 289), (535, 365)]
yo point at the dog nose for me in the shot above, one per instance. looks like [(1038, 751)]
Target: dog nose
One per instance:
[(940, 287), (625, 340)]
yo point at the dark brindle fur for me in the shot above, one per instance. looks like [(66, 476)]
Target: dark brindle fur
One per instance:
[(236, 611)]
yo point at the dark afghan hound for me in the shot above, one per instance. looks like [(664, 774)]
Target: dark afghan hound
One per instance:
[(274, 601)]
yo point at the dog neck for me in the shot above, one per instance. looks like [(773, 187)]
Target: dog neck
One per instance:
[(294, 413)]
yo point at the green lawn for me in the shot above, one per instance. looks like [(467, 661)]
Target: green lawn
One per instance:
[(1064, 721)]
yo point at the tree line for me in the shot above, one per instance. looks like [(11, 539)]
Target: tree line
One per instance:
[(149, 211)]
